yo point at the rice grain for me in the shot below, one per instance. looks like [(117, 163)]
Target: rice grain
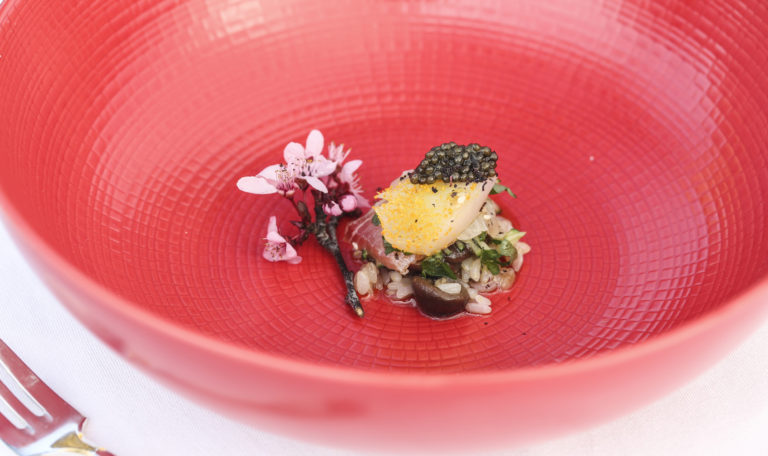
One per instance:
[(362, 284), (477, 308)]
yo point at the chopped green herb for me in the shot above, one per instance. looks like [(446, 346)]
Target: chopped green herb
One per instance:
[(490, 259), (460, 245), (364, 255), (435, 266), (506, 249), (476, 249), (375, 220), (388, 247), (513, 236), (478, 244), (499, 188)]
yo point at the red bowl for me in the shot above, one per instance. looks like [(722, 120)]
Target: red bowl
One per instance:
[(633, 132)]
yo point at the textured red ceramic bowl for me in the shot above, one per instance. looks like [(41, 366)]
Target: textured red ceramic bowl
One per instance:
[(634, 133)]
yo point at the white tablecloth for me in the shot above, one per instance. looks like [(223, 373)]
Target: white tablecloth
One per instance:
[(724, 411)]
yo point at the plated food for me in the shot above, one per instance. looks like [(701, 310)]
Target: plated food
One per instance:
[(436, 239)]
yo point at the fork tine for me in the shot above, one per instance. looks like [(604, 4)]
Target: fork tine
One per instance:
[(15, 403), (12, 435), (39, 391)]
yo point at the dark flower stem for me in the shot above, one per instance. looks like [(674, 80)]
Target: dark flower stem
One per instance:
[(333, 246), (324, 229)]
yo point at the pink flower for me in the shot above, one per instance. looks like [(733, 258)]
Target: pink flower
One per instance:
[(348, 202), (336, 153), (272, 179), (347, 175), (277, 248), (308, 162), (332, 209)]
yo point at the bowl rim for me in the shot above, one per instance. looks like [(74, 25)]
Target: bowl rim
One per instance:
[(29, 238)]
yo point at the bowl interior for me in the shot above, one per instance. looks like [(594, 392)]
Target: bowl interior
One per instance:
[(633, 133)]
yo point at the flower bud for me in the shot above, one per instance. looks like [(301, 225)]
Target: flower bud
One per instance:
[(332, 209), (348, 203)]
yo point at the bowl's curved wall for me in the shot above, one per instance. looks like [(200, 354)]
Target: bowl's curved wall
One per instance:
[(634, 133)]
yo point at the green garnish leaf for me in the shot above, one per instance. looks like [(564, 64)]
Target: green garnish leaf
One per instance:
[(375, 220), (490, 259), (513, 236), (478, 244), (506, 249), (476, 249), (499, 188), (435, 266), (460, 245), (388, 247)]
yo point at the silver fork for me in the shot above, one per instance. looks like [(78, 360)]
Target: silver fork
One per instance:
[(54, 429)]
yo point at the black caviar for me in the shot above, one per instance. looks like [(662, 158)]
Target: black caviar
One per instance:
[(451, 162)]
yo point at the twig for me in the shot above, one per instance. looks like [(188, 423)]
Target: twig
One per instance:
[(325, 232)]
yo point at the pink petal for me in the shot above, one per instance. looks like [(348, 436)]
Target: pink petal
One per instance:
[(314, 144), (336, 153), (351, 166), (362, 202), (295, 260), (256, 185), (293, 151), (270, 255), (272, 225), (270, 172), (323, 167), (333, 151), (290, 253), (272, 234), (316, 183), (275, 237)]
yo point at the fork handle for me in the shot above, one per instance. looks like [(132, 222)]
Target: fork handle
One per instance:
[(72, 443), (78, 452), (75, 451)]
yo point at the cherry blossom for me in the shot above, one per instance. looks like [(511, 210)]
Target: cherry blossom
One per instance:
[(272, 179), (307, 162), (329, 183), (337, 154), (347, 175), (277, 247)]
